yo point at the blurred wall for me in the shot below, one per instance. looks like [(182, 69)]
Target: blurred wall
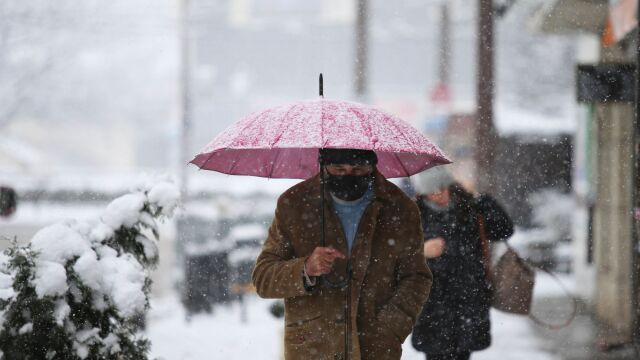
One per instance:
[(612, 238), (525, 166)]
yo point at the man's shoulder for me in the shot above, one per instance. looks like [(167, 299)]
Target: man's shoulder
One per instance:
[(395, 193), (399, 198)]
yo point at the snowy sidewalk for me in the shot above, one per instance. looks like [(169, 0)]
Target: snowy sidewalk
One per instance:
[(222, 335), (582, 339)]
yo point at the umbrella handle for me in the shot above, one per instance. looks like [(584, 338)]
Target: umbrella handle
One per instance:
[(321, 87)]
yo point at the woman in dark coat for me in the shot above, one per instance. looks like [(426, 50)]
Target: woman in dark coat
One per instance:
[(455, 319)]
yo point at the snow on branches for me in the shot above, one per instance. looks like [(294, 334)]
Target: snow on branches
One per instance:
[(79, 290)]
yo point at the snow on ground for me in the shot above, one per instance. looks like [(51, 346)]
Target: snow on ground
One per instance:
[(547, 286), (222, 334)]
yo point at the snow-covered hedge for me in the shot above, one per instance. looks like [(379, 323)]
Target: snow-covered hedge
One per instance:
[(79, 290)]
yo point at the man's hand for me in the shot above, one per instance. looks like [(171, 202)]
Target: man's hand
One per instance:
[(321, 260), (433, 247)]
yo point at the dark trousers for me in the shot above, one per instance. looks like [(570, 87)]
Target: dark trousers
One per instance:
[(465, 355)]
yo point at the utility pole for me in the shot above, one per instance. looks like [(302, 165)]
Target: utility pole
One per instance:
[(635, 189), (486, 137), (445, 44), (361, 88), (185, 95), (440, 98)]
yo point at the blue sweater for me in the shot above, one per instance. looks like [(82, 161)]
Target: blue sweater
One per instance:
[(350, 213)]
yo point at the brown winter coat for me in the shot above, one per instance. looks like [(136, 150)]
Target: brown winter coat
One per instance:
[(390, 278)]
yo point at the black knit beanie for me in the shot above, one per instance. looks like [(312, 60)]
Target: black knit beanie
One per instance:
[(348, 156)]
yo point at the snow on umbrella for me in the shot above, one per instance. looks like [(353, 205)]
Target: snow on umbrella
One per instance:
[(283, 142)]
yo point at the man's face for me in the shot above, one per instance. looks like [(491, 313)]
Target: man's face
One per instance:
[(347, 181)]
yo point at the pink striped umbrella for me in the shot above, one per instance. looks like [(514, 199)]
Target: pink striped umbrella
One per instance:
[(283, 142)]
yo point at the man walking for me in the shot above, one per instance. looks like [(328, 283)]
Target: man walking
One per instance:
[(355, 295)]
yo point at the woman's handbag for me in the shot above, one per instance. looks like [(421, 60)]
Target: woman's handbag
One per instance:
[(511, 282)]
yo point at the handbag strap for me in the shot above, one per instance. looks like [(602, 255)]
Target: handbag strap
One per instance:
[(486, 254), (486, 249), (573, 300)]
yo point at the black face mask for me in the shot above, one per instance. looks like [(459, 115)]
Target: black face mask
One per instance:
[(349, 187)]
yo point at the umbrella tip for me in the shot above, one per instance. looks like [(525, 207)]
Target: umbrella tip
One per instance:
[(321, 87)]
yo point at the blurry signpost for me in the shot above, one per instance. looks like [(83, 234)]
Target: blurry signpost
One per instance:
[(185, 95), (486, 136), (606, 83), (361, 51), (436, 122)]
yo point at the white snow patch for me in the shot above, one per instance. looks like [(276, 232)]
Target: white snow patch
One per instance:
[(61, 311), (511, 120), (166, 195), (58, 243), (50, 279), (106, 251), (4, 261), (261, 335), (248, 232), (112, 343), (99, 302), (100, 232), (150, 246), (26, 328), (88, 270), (124, 211), (123, 283), (147, 220), (84, 335), (210, 247), (561, 286), (81, 350), (245, 254), (6, 278), (121, 278), (6, 286)]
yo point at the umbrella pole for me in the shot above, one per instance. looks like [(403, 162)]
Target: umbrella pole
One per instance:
[(322, 240), (321, 163), (322, 179)]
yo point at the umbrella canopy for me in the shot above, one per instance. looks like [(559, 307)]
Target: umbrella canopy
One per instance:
[(283, 142)]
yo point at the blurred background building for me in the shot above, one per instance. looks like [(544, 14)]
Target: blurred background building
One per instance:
[(605, 175)]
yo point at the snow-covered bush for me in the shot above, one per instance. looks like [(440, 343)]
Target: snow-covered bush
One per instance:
[(78, 289), (552, 212)]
